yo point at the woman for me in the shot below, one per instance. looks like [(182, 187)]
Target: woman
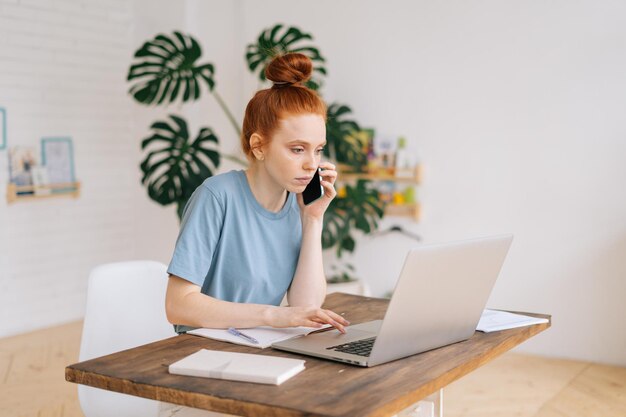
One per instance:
[(246, 237)]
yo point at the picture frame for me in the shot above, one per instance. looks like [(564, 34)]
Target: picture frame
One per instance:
[(21, 161), (3, 128), (57, 155)]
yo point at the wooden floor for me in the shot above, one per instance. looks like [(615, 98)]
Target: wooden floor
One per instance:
[(33, 383)]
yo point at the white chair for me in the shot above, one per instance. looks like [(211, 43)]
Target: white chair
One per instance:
[(125, 308)]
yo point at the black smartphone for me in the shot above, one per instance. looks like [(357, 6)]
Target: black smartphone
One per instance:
[(313, 190)]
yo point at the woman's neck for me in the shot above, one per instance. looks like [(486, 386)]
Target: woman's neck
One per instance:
[(267, 193)]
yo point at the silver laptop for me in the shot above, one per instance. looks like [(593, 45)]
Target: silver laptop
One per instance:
[(438, 300)]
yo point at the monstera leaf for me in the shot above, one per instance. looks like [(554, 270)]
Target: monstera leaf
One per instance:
[(166, 67), (340, 273), (175, 165), (343, 145), (360, 208), (275, 41)]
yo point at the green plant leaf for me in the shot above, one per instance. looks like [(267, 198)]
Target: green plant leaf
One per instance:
[(348, 243), (174, 165), (341, 273), (343, 144), (165, 68), (275, 41), (334, 222), (360, 209)]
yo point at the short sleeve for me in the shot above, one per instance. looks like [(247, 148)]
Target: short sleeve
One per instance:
[(199, 234)]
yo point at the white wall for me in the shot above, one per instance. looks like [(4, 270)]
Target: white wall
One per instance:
[(517, 111), (62, 69), (216, 25)]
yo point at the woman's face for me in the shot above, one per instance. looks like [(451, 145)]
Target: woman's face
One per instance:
[(295, 150)]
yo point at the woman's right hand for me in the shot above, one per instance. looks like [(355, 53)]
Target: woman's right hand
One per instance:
[(307, 317)]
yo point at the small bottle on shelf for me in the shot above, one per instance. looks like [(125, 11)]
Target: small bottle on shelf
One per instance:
[(409, 195), (385, 191), (404, 165), (398, 198), (372, 163)]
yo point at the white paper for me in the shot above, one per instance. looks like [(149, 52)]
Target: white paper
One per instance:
[(494, 320), (265, 335)]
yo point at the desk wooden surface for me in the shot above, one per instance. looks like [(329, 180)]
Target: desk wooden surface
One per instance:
[(324, 389)]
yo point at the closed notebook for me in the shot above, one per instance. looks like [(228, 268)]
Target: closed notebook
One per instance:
[(236, 366)]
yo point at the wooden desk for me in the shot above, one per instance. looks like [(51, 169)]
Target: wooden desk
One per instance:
[(325, 388)]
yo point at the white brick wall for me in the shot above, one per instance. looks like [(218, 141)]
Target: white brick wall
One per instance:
[(62, 73), (63, 66)]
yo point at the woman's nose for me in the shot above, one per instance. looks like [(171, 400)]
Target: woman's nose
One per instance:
[(311, 162)]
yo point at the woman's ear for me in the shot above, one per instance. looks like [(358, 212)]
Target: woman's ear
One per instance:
[(256, 145)]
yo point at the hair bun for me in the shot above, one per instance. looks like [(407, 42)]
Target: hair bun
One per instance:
[(291, 68)]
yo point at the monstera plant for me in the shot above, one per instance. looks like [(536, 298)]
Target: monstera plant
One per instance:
[(167, 69), (176, 166), (275, 41)]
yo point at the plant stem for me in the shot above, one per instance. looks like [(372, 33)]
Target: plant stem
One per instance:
[(230, 116)]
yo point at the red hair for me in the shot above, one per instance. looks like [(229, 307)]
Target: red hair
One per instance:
[(287, 97)]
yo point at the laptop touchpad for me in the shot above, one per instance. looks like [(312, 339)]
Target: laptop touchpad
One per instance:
[(334, 337), (370, 326)]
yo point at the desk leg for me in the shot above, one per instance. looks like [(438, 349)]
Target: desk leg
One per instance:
[(431, 406)]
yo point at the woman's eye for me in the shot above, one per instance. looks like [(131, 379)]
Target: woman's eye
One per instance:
[(297, 150), (320, 151)]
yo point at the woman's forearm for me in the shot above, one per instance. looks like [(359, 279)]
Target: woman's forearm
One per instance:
[(200, 310), (309, 282), (186, 305)]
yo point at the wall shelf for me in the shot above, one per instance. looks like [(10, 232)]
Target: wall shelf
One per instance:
[(408, 210), (30, 192), (414, 178)]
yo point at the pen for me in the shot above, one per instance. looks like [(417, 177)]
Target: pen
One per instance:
[(236, 332)]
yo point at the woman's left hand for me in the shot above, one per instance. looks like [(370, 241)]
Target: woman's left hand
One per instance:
[(317, 208)]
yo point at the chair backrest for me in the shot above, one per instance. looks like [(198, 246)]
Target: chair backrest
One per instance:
[(125, 308)]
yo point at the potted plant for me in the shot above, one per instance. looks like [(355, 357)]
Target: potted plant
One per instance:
[(168, 68)]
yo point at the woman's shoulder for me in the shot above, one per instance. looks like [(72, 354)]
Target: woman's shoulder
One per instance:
[(223, 180), (221, 185)]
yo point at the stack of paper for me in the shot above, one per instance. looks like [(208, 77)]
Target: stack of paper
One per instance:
[(265, 335), (238, 366), (494, 320)]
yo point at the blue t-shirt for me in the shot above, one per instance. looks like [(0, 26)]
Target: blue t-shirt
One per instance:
[(232, 247)]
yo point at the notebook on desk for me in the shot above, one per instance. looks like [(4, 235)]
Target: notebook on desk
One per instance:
[(438, 300), (237, 366), (264, 335)]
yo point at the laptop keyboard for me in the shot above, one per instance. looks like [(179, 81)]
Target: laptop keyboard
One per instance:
[(358, 347)]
